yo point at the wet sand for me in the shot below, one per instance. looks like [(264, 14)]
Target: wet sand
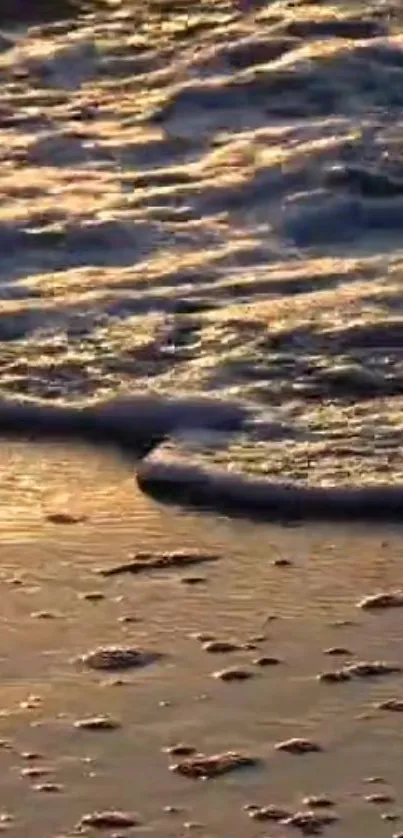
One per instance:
[(201, 204), (57, 607)]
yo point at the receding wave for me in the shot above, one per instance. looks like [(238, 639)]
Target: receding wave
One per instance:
[(262, 499), (207, 203)]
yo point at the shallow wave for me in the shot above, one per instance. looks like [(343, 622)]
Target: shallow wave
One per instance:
[(209, 202), (137, 427), (260, 499)]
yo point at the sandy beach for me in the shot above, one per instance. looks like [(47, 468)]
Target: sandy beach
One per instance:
[(200, 202), (287, 596)]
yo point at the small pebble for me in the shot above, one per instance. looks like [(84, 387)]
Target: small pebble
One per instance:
[(390, 816), (381, 797), (394, 704), (35, 771), (193, 580), (128, 618), (97, 723), (310, 823), (221, 646), (317, 801), (43, 615), (281, 562), (392, 599), (92, 596), (334, 676), (201, 766), (374, 780), (269, 813), (64, 518), (369, 669), (48, 787), (31, 703), (144, 562), (192, 825), (180, 750), (202, 636), (233, 674), (342, 623), (110, 820), (298, 745), (266, 660), (118, 657), (337, 650)]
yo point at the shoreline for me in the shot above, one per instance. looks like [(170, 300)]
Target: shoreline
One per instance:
[(62, 608)]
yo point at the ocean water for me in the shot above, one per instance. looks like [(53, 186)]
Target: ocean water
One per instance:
[(208, 200), (201, 200)]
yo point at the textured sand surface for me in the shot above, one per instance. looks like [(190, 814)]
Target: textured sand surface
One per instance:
[(273, 593), (209, 200)]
